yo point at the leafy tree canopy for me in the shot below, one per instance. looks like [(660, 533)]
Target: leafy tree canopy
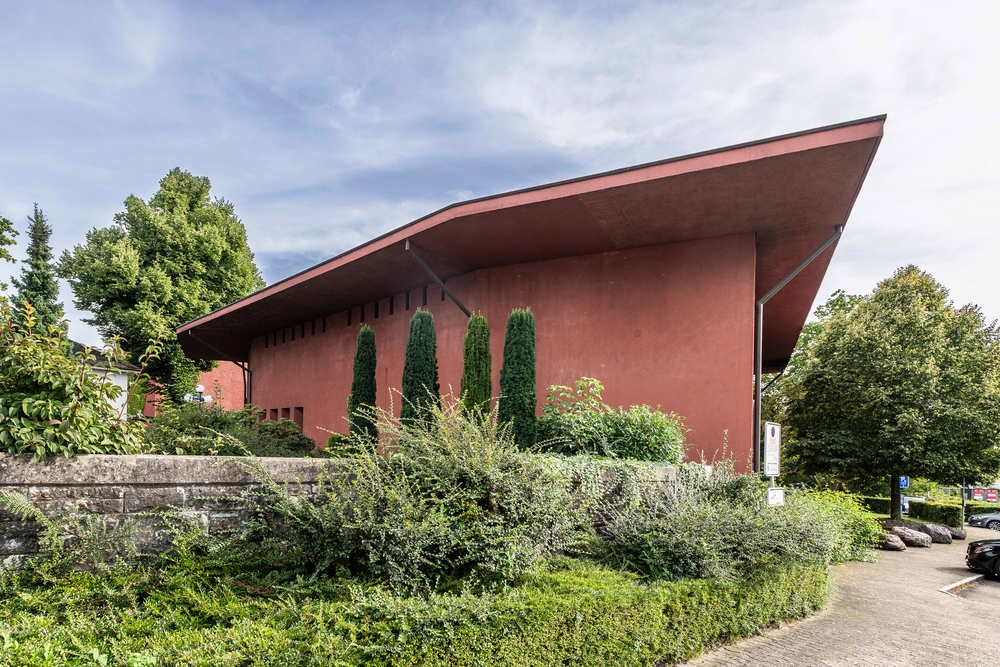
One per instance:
[(37, 284), (160, 264), (904, 383)]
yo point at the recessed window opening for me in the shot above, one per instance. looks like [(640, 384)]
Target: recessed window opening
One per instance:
[(303, 330), (282, 335), (376, 310), (299, 417), (274, 415), (349, 311), (407, 299), (267, 339), (392, 304), (443, 293), (286, 413), (293, 332), (324, 324), (313, 328), (363, 313), (425, 296)]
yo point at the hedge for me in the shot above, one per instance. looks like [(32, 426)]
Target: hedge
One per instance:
[(568, 613), (948, 513), (876, 504)]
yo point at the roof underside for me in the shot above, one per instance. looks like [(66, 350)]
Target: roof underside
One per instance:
[(791, 190)]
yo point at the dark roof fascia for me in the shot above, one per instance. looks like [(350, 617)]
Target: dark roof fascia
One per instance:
[(535, 188)]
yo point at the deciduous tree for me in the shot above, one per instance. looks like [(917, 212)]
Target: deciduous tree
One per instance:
[(903, 384), (162, 263)]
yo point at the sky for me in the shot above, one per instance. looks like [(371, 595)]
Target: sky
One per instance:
[(327, 123)]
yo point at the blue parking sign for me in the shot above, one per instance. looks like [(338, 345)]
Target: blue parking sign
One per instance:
[(904, 482)]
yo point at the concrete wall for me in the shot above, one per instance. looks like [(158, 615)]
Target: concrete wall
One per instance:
[(124, 487), (668, 325)]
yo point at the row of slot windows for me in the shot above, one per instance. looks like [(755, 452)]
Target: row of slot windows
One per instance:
[(295, 414), (279, 337)]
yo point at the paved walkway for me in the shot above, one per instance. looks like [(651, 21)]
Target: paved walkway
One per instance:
[(887, 613)]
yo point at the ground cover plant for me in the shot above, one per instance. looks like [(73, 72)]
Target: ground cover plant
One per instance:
[(449, 546)]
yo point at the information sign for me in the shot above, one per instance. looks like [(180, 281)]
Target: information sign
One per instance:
[(904, 482), (991, 495), (978, 494), (775, 497), (772, 449)]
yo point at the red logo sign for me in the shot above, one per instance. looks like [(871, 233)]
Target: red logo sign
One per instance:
[(978, 494), (991, 495)]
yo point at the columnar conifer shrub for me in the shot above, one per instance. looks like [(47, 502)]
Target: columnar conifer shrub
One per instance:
[(421, 390), (517, 378), (37, 284), (361, 402), (477, 370)]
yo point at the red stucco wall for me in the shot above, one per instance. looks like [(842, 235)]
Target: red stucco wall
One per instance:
[(668, 325)]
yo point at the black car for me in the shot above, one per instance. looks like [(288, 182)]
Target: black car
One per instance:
[(991, 521), (984, 556)]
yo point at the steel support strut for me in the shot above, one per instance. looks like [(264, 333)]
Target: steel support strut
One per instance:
[(758, 347), (247, 373), (440, 283)]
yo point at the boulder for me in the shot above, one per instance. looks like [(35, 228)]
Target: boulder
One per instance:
[(939, 534), (912, 538), (890, 542), (956, 533)]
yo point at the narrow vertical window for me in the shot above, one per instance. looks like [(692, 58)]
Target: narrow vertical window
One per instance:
[(267, 339), (303, 330), (442, 292), (299, 417), (376, 310), (313, 328), (282, 335), (274, 415), (349, 311), (324, 324), (392, 304), (293, 332), (425, 297), (407, 299), (286, 413), (363, 308)]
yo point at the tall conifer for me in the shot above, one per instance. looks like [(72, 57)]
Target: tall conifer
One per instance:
[(361, 402), (477, 380), (420, 371), (37, 284), (517, 378)]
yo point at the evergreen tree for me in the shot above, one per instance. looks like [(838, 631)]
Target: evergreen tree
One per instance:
[(38, 284), (477, 380), (420, 371), (517, 378), (361, 402), (7, 234)]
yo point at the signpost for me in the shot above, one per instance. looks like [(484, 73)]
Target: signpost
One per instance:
[(772, 462), (904, 482)]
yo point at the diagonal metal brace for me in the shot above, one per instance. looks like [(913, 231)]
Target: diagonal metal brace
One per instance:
[(247, 373), (440, 283)]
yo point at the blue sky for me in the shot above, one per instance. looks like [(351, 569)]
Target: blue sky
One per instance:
[(329, 123)]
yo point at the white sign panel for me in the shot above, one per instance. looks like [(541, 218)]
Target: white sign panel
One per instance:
[(772, 449), (775, 497)]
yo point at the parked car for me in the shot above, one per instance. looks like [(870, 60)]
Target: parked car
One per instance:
[(984, 556), (991, 521)]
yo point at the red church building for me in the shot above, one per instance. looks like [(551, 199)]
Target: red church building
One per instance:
[(659, 280)]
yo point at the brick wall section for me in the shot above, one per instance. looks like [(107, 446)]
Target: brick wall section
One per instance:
[(121, 488)]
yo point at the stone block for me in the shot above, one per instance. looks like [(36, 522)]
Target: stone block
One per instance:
[(145, 498), (80, 506), (15, 562), (18, 529), (223, 522), (890, 542), (18, 545), (912, 538), (939, 534), (217, 497)]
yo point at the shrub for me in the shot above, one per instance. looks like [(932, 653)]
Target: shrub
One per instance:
[(421, 390), (721, 526), (450, 504), (876, 504), (577, 421), (190, 428), (361, 401), (477, 365), (518, 399), (51, 401), (948, 513)]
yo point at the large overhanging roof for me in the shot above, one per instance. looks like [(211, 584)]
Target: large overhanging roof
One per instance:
[(791, 190)]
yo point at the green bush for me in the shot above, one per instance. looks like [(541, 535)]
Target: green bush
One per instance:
[(720, 525), (876, 504), (52, 402), (518, 399), (421, 389), (565, 612), (452, 505), (190, 428), (477, 365), (361, 401), (577, 421), (948, 513)]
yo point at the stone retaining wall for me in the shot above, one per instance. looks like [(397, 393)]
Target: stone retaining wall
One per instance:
[(122, 488)]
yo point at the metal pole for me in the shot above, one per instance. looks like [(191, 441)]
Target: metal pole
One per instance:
[(759, 338), (440, 283)]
